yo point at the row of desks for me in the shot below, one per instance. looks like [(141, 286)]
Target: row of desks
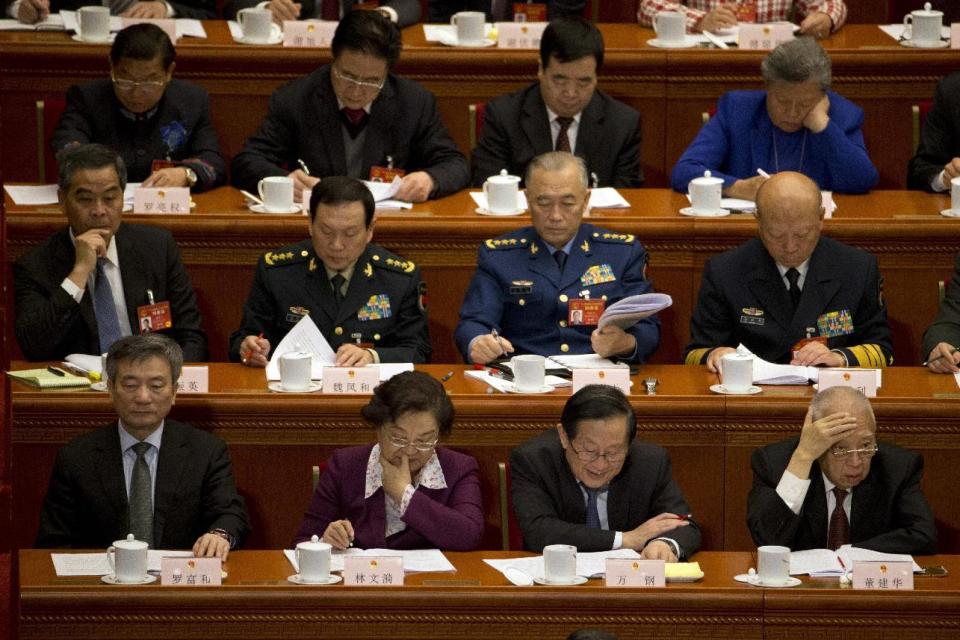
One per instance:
[(275, 439), (671, 88), (476, 602)]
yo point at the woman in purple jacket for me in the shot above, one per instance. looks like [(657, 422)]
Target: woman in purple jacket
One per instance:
[(404, 492)]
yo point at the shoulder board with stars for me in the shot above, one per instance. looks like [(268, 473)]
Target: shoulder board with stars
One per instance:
[(283, 258), (506, 243), (393, 263), (614, 238)]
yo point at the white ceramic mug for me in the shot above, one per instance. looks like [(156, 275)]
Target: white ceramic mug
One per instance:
[(922, 27), (502, 193), (469, 26), (128, 559), (276, 192), (955, 195), (559, 563), (257, 24), (295, 369), (736, 372), (773, 565), (671, 27), (705, 194), (313, 559), (529, 372), (93, 23)]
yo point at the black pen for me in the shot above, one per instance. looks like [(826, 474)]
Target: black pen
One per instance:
[(303, 166), (953, 351), (56, 372), (446, 376)]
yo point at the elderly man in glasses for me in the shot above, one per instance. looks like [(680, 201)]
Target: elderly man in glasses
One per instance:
[(591, 484), (354, 118), (836, 485), (159, 126)]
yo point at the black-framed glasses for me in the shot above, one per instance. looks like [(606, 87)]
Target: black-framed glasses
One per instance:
[(612, 457), (845, 454), (403, 443), (150, 86), (357, 82)]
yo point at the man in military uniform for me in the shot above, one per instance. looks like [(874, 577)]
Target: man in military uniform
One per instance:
[(530, 283), (791, 296), (941, 338), (367, 302)]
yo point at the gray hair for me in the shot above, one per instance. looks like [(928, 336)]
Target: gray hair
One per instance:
[(558, 161), (798, 60), (81, 157), (837, 399), (140, 348)]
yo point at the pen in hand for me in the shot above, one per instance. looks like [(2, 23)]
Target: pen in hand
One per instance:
[(303, 166), (496, 336), (763, 174), (952, 351)]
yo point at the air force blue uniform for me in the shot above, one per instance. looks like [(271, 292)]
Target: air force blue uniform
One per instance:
[(519, 290)]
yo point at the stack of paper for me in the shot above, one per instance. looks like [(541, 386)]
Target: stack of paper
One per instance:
[(590, 565), (824, 562), (96, 564), (384, 192), (53, 22), (600, 198), (632, 309), (771, 373), (47, 380), (32, 195), (414, 560)]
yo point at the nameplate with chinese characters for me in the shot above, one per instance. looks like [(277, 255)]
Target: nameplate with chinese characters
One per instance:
[(168, 25), (883, 576), (764, 36), (630, 572), (191, 572), (619, 378), (350, 380), (175, 200), (520, 35), (194, 380), (864, 380), (373, 571), (308, 33)]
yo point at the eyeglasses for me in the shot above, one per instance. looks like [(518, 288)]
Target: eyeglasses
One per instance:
[(360, 84), (589, 456), (403, 443), (844, 454), (149, 86)]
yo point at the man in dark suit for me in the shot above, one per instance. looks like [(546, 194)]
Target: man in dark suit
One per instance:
[(146, 115), (791, 296), (355, 118), (563, 111), (367, 302), (498, 10), (401, 12), (836, 485), (937, 160), (941, 339), (87, 285), (31, 11), (164, 481), (590, 484)]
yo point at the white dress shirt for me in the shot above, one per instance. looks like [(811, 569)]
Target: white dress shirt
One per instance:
[(430, 476), (112, 272), (792, 490), (602, 497)]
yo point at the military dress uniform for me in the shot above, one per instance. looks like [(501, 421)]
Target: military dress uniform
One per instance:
[(744, 300), (383, 305), (519, 290)]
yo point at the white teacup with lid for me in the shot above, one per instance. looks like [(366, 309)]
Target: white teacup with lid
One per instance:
[(295, 369), (128, 559), (313, 560), (705, 194), (922, 27), (502, 193)]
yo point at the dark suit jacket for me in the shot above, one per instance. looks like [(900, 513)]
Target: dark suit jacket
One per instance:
[(408, 11), (50, 325), (743, 300), (86, 504), (93, 115), (449, 519), (889, 512), (946, 326), (516, 130), (199, 9), (441, 10), (304, 122), (550, 507), (940, 137)]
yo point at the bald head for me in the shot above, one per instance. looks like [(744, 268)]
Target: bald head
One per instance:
[(844, 400), (789, 217)]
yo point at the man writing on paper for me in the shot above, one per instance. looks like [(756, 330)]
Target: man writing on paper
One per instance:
[(591, 484), (563, 111), (89, 284), (817, 18), (165, 482), (791, 296), (354, 118), (836, 485), (529, 283), (367, 302), (402, 12), (941, 338)]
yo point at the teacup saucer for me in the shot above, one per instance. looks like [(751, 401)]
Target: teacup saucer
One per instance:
[(950, 213), (690, 211), (511, 388), (112, 579), (453, 41), (259, 208), (940, 44), (687, 43), (486, 212), (76, 38), (754, 580), (331, 579), (551, 583), (276, 37), (279, 388), (719, 388)]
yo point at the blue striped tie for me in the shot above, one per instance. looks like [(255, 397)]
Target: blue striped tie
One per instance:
[(593, 514), (108, 326)]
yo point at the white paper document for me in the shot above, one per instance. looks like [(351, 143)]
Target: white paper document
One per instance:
[(771, 373), (506, 386), (96, 564), (304, 336), (414, 560), (32, 195), (447, 33), (589, 565), (190, 27), (585, 361), (824, 562), (85, 362), (632, 309), (54, 22), (600, 198)]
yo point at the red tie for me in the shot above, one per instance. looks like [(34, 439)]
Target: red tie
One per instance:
[(839, 533), (330, 10), (563, 142)]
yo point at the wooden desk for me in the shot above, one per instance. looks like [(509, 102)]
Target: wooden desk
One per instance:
[(274, 439), (670, 88), (221, 243), (477, 602)]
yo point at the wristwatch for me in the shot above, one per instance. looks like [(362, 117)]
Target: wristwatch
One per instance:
[(191, 176)]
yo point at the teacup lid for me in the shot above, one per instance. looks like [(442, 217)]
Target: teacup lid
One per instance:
[(504, 177), (297, 353), (130, 543), (314, 544), (928, 11), (707, 178)]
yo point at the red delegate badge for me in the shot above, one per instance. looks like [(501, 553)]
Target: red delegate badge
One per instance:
[(154, 317), (582, 312)]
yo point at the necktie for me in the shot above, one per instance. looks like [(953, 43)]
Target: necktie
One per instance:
[(141, 500), (792, 277), (593, 514), (563, 142), (330, 10), (337, 283), (839, 533), (498, 10), (108, 326), (354, 120), (561, 257)]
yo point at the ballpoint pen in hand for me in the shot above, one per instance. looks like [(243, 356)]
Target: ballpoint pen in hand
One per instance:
[(496, 337)]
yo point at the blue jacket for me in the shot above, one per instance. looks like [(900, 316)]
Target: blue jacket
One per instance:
[(739, 139)]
